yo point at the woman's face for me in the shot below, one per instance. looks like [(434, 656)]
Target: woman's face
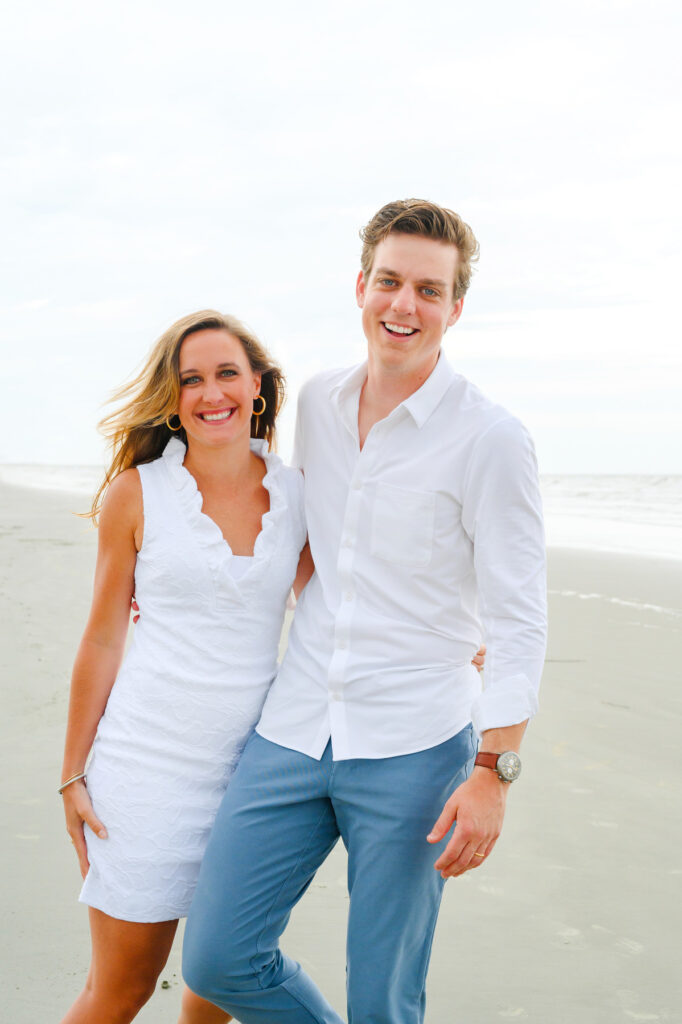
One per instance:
[(217, 388)]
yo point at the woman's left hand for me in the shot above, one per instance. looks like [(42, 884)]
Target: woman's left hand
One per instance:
[(478, 660)]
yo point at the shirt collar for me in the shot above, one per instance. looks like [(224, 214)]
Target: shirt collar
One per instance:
[(424, 400), (420, 405)]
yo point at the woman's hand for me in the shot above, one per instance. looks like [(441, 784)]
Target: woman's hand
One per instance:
[(478, 660), (78, 809)]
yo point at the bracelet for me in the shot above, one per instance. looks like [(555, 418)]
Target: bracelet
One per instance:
[(74, 778)]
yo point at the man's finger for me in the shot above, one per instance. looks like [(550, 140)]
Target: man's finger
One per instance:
[(443, 824)]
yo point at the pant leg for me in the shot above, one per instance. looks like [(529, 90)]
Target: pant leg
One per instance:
[(385, 809), (274, 828)]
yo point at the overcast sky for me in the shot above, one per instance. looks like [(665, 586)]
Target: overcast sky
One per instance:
[(161, 158)]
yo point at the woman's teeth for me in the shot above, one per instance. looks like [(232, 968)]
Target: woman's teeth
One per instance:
[(215, 417)]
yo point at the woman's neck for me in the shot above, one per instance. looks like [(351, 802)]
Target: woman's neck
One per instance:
[(224, 465)]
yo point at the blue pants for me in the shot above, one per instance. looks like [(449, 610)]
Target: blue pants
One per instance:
[(280, 817)]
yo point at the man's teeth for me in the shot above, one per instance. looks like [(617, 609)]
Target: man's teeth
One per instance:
[(398, 329), (212, 417)]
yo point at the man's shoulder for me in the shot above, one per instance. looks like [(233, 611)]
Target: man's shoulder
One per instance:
[(322, 385), (466, 400)]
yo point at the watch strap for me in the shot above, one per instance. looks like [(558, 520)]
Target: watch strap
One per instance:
[(487, 759)]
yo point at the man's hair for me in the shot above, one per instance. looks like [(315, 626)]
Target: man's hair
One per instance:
[(420, 217)]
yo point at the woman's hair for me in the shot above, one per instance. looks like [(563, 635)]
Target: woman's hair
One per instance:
[(137, 431)]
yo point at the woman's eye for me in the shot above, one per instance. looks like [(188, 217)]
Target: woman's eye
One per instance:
[(228, 373), (188, 380)]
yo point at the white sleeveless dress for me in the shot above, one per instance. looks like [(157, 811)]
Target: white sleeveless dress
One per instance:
[(190, 689)]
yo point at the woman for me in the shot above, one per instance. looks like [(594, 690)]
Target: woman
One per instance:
[(206, 526)]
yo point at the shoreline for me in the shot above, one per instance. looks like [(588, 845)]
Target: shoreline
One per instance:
[(576, 905)]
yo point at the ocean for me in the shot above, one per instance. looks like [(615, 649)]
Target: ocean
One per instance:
[(633, 514)]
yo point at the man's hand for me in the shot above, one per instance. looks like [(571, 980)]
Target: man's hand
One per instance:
[(477, 806)]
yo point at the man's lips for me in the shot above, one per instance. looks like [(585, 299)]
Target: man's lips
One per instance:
[(216, 415), (399, 330)]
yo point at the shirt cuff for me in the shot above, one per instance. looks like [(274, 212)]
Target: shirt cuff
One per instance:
[(511, 701)]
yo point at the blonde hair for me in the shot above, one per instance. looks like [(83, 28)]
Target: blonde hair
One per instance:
[(138, 432), (420, 217)]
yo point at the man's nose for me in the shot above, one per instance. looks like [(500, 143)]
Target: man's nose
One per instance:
[(404, 300)]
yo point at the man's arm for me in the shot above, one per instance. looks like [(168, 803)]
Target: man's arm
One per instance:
[(502, 514)]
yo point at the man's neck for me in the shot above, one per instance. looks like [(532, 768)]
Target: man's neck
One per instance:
[(384, 390)]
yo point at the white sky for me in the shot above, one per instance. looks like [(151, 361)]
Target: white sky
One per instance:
[(161, 158)]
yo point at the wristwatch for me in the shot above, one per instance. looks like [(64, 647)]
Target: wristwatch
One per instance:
[(507, 765)]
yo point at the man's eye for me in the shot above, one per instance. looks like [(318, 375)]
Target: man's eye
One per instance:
[(387, 281), (430, 293), (189, 380)]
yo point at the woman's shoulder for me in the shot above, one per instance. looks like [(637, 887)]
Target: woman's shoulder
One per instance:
[(122, 505), (125, 488), (293, 480)]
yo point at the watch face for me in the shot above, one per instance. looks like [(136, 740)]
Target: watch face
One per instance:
[(509, 766)]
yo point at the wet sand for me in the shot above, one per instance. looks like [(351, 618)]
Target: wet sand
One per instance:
[(575, 918)]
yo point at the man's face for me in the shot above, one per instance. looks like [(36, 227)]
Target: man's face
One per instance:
[(407, 303)]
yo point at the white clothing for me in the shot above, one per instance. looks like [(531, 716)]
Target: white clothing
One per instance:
[(239, 564), (425, 541), (190, 689)]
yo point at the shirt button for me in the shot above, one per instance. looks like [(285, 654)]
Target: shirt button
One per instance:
[(335, 695), (341, 644), (348, 596)]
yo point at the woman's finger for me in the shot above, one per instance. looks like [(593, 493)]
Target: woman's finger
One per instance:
[(79, 845)]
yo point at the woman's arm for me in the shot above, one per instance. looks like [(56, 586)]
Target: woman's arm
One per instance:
[(101, 648), (306, 568)]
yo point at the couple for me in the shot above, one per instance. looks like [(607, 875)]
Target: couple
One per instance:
[(423, 519)]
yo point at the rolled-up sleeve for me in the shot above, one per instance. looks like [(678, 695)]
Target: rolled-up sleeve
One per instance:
[(502, 515)]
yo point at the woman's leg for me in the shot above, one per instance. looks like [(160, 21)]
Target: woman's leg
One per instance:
[(196, 1010), (127, 959)]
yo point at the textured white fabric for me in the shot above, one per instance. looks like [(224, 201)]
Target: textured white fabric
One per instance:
[(425, 542), (190, 689), (239, 565)]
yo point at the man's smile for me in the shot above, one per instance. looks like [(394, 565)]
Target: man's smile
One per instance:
[(399, 329)]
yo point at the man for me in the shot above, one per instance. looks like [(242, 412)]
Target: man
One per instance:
[(425, 528)]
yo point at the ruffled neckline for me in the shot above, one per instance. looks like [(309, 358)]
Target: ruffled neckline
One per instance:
[(207, 533)]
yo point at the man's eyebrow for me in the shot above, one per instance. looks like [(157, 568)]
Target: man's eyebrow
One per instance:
[(220, 366), (387, 272)]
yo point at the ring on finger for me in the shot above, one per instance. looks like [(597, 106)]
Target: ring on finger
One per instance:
[(479, 855)]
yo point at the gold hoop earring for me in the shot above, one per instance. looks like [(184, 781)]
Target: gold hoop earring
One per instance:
[(174, 429), (263, 408)]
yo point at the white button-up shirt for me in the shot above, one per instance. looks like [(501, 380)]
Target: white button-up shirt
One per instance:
[(425, 542)]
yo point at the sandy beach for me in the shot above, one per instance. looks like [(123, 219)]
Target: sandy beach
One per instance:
[(575, 918)]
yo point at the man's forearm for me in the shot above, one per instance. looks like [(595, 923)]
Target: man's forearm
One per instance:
[(507, 738)]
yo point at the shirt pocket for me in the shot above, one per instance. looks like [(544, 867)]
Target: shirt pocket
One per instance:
[(403, 525)]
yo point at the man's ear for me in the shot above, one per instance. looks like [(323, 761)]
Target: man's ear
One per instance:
[(360, 290), (455, 312)]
